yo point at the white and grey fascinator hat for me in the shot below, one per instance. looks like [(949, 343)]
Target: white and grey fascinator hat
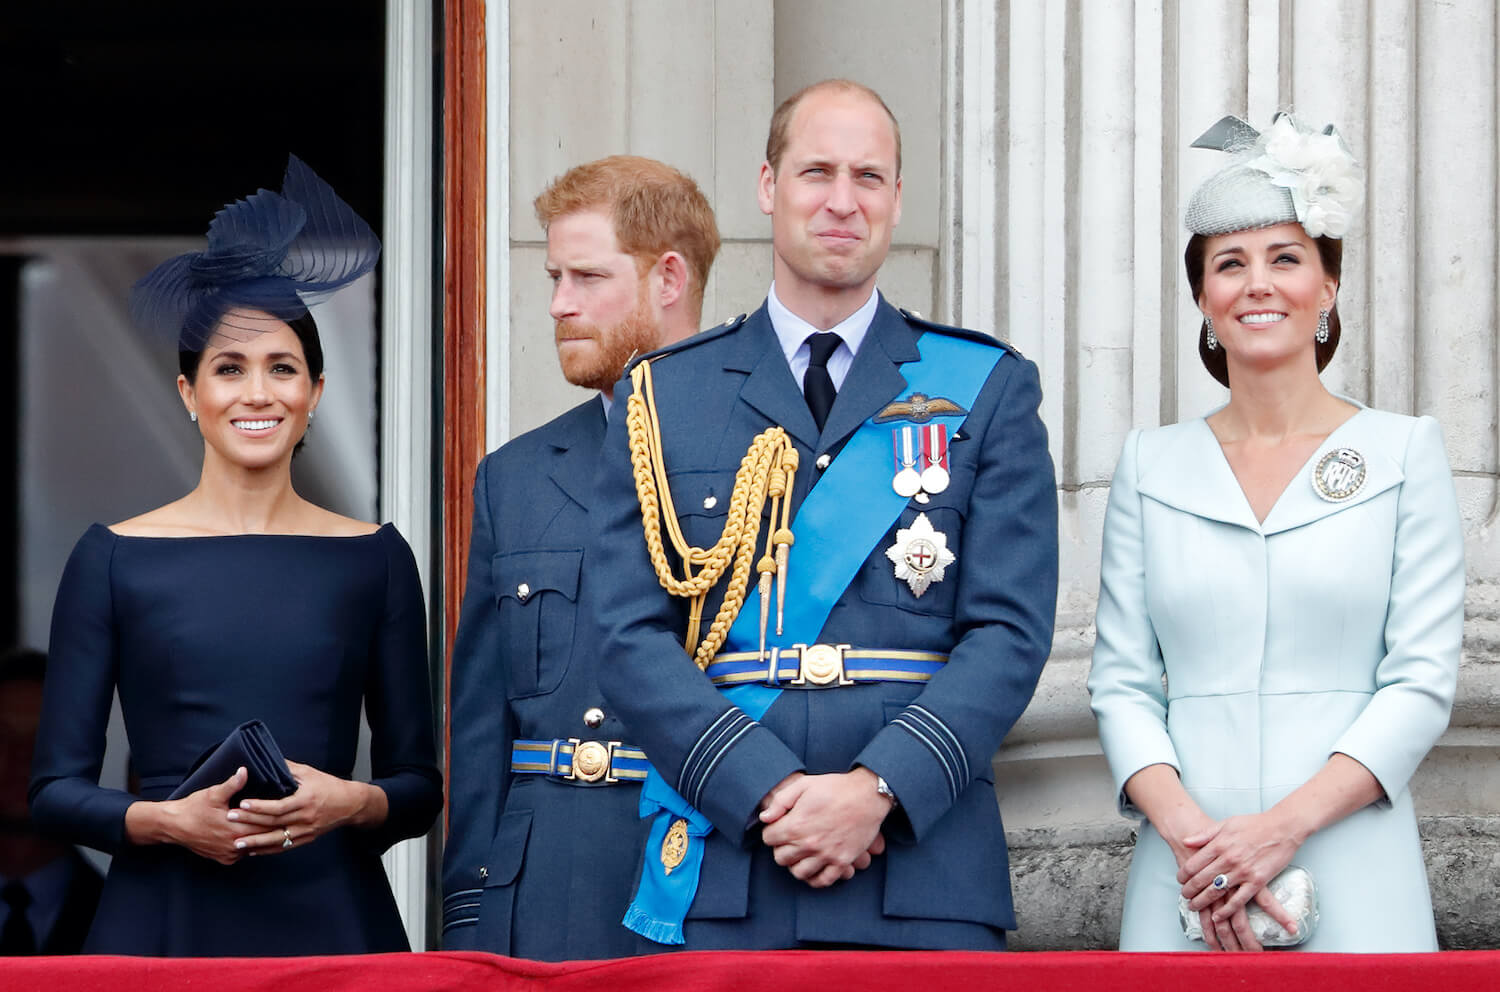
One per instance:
[(1286, 173)]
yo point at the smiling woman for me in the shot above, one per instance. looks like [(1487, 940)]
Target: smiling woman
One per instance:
[(266, 387), (1282, 598), (239, 602)]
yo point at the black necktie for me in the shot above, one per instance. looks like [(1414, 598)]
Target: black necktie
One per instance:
[(17, 937), (817, 384)]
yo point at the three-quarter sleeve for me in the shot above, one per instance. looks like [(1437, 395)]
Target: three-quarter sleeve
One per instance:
[(66, 798)]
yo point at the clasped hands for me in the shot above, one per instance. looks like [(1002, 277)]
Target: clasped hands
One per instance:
[(207, 825), (824, 828), (1248, 851)]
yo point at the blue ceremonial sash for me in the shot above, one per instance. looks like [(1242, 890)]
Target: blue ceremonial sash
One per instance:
[(847, 511)]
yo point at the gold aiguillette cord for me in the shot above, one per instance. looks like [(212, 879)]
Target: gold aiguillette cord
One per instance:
[(766, 472)]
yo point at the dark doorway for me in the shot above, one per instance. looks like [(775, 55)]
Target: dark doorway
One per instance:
[(141, 118)]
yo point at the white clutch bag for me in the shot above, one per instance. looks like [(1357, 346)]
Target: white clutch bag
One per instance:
[(1294, 889)]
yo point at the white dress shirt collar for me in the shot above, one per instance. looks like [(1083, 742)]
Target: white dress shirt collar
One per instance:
[(792, 333)]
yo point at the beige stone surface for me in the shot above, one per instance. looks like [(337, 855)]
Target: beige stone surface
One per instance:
[(538, 392), (894, 47)]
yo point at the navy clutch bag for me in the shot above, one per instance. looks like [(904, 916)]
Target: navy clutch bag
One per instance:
[(249, 745)]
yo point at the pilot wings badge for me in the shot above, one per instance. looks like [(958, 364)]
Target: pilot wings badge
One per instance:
[(919, 408), (920, 555)]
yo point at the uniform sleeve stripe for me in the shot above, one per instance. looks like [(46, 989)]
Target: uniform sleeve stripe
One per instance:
[(905, 725), (461, 894), (942, 730), (703, 750), (693, 755), (710, 747), (703, 780), (467, 921)]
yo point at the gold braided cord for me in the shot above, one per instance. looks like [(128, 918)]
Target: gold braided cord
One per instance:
[(770, 455)]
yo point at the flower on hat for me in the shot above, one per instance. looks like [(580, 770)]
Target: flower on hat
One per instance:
[(1317, 168)]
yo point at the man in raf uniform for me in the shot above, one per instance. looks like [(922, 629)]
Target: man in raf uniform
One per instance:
[(544, 832), (866, 600)]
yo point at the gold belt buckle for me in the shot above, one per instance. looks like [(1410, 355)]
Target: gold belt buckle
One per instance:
[(820, 665), (593, 761)]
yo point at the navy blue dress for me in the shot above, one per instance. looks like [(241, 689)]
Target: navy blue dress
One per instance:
[(200, 635)]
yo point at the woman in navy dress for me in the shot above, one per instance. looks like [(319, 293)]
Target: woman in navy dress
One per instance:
[(242, 601)]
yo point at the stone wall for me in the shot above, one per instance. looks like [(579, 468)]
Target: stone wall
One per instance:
[(1046, 164)]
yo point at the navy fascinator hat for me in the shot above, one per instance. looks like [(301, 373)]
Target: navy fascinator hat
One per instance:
[(277, 253)]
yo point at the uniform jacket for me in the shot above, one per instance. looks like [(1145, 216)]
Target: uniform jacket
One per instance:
[(945, 880), (533, 867), (1329, 627)]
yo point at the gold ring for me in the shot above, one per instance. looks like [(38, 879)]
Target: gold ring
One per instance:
[(287, 841)]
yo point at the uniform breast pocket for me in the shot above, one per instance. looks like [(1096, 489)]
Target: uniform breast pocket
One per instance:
[(927, 543), (701, 499), (537, 602)]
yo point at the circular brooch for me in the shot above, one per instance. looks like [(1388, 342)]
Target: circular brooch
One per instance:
[(1339, 475)]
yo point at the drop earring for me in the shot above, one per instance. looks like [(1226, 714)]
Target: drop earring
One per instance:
[(192, 416), (1210, 339), (1322, 335)]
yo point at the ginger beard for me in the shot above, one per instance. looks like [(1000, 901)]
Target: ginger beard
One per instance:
[(595, 357)]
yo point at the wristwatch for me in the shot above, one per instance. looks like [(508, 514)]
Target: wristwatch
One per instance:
[(885, 790)]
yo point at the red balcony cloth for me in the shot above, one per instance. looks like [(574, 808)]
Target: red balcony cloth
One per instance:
[(771, 971)]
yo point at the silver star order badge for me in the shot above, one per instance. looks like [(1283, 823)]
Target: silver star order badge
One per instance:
[(920, 554)]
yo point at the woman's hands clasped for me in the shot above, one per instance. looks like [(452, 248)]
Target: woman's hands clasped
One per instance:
[(1241, 854), (321, 803), (1244, 849), (197, 821)]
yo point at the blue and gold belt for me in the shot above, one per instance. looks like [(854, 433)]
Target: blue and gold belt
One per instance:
[(817, 666), (580, 762)]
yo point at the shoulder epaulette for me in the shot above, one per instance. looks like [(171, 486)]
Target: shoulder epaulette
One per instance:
[(913, 317), (708, 334)]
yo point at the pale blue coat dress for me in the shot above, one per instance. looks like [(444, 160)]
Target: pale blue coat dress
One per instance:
[(1243, 654)]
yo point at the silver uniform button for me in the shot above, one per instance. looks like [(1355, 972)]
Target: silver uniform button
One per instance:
[(522, 591), (593, 716), (709, 502), (824, 460)]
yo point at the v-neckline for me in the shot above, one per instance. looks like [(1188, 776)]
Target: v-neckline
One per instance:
[(1260, 523)]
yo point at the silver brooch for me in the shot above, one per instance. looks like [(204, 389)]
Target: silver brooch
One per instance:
[(920, 555), (1339, 474)]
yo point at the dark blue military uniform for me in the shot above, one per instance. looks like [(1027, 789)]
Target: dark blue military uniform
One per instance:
[(537, 865), (944, 881)]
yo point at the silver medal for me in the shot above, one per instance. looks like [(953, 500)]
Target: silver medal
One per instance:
[(907, 483), (934, 479)]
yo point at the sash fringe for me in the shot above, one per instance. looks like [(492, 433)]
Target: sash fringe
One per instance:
[(657, 931)]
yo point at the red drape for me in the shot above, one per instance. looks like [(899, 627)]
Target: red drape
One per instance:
[(774, 971)]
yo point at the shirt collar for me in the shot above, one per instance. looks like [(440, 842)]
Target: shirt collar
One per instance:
[(791, 330)]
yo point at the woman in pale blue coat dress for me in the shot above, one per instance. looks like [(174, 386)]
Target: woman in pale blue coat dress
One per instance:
[(1282, 589)]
